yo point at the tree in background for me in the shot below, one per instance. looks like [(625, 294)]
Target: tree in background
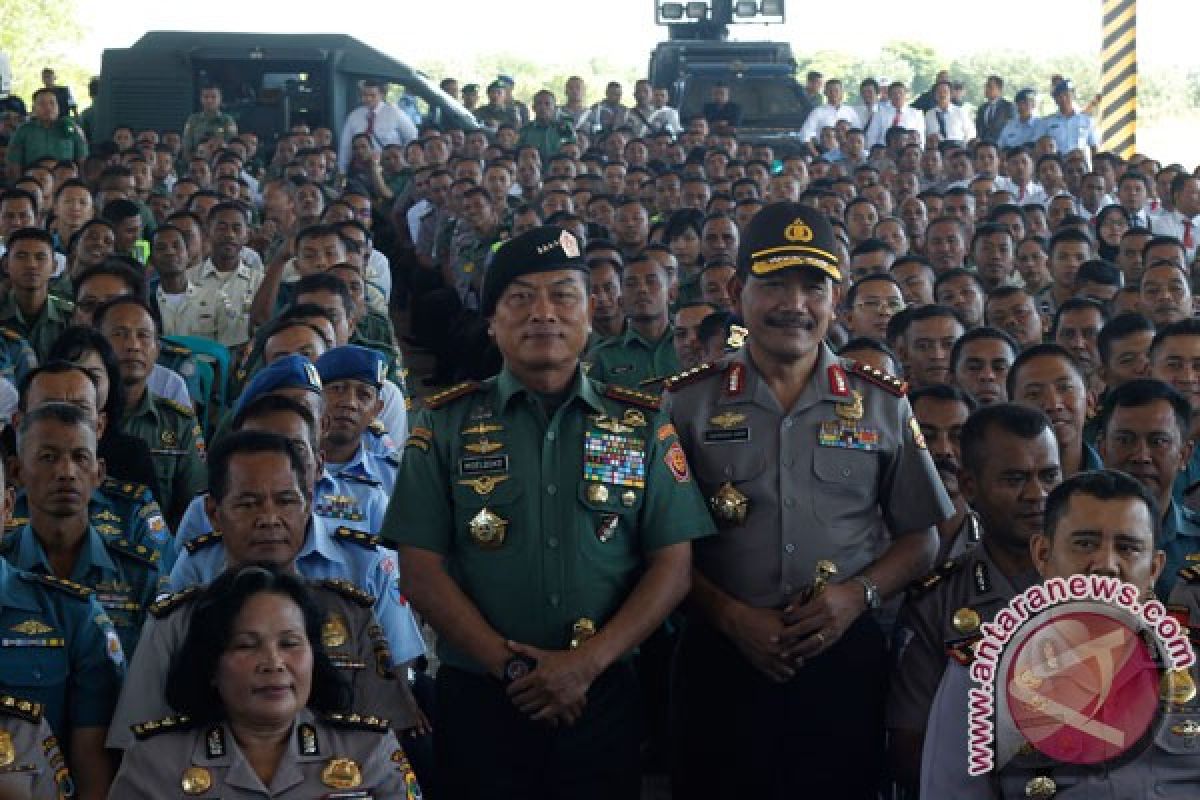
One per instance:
[(42, 33)]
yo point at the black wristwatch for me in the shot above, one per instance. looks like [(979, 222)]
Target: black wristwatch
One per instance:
[(517, 667)]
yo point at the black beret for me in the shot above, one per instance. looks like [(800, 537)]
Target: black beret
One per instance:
[(542, 249), (785, 236)]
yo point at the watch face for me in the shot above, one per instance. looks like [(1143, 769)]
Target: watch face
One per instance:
[(517, 668)]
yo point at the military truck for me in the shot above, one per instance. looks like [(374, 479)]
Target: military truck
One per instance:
[(269, 82), (761, 76)]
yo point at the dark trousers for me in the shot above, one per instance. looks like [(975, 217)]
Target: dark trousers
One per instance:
[(735, 733), (486, 749)]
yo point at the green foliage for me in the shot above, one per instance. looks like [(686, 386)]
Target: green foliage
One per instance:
[(40, 33)]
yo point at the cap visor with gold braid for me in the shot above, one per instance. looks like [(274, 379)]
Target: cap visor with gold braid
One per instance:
[(789, 236)]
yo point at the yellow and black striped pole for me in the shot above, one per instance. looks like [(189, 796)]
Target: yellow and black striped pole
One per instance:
[(1118, 105)]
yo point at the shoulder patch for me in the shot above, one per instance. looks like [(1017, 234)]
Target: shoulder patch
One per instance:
[(72, 588), (349, 591), (138, 552), (632, 396), (133, 491), (924, 585), (446, 396), (358, 722), (164, 607), (144, 730), (1190, 575), (360, 538), (688, 377), (11, 706), (177, 407), (194, 546), (883, 380)]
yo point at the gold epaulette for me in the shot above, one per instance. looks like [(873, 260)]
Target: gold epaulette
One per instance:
[(202, 541), (183, 410), (136, 551), (165, 606), (923, 585), (132, 491), (349, 591), (690, 376), (72, 588), (360, 538), (19, 707), (889, 383), (144, 730), (446, 396), (1190, 575), (633, 397), (358, 722)]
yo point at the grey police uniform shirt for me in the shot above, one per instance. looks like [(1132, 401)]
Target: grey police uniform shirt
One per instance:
[(818, 486), (928, 633), (36, 768), (1167, 767), (155, 767), (353, 639)]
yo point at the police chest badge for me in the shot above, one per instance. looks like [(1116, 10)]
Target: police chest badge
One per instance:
[(341, 773), (729, 506)]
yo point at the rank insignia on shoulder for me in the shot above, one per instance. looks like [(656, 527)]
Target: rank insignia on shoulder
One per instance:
[(360, 538), (10, 334), (350, 591), (19, 707), (928, 582), (136, 551), (361, 722), (1190, 575), (203, 541), (62, 584), (144, 730), (186, 411), (632, 396), (447, 396), (163, 607), (883, 380), (690, 376)]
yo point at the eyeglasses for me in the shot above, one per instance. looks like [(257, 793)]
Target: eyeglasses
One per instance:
[(892, 305)]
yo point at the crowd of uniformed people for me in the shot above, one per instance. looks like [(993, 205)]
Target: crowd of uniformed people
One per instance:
[(729, 450)]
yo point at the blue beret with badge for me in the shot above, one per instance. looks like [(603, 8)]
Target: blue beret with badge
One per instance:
[(289, 372), (354, 363), (788, 236), (543, 249)]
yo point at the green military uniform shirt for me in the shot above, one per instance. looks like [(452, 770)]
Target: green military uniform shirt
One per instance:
[(176, 443), (58, 649), (634, 361), (61, 140), (543, 522), (547, 138), (41, 331), (16, 356), (123, 576), (201, 125)]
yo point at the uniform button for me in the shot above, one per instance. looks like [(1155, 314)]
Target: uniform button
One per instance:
[(550, 435), (552, 489), (789, 503), (789, 548), (728, 470), (552, 542), (845, 472), (787, 423), (554, 600)]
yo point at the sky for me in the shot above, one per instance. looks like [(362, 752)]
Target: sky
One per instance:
[(624, 30)]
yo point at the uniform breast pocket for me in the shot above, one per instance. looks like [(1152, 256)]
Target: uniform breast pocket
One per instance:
[(35, 668), (1175, 754), (846, 472), (608, 521), (486, 521)]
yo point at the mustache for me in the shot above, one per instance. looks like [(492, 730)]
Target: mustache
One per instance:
[(788, 320)]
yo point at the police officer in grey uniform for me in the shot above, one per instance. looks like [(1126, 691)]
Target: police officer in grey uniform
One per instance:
[(944, 611), (1117, 519), (804, 458)]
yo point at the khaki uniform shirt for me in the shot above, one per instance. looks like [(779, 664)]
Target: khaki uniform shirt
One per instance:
[(820, 480), (31, 763), (218, 307), (326, 754), (543, 522)]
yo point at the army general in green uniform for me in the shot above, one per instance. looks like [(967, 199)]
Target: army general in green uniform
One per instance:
[(544, 523)]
